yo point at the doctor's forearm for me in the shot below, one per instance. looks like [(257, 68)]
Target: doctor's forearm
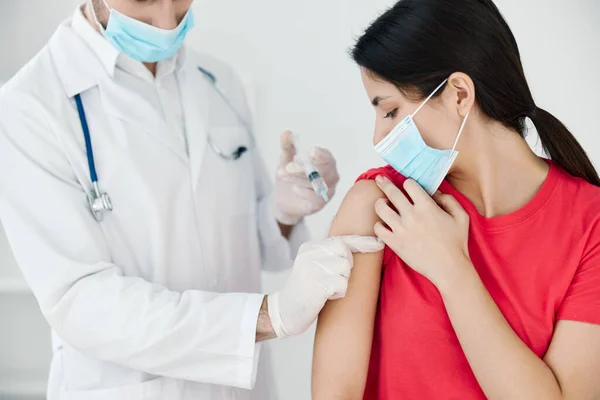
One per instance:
[(264, 328), (286, 230)]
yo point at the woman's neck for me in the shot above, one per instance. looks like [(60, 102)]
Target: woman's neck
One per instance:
[(498, 172)]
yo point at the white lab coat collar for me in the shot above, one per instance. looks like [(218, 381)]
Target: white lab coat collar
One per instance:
[(96, 57), (105, 52), (111, 58), (84, 59), (77, 74)]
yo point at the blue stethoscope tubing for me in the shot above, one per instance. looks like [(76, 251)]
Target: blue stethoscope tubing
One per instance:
[(100, 202), (88, 141)]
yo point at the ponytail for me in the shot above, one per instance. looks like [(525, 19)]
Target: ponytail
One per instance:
[(562, 147), (392, 49)]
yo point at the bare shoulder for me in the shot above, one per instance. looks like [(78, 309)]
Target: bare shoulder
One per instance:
[(356, 215)]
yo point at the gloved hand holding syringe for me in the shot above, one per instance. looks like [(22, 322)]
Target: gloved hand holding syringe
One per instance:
[(306, 179), (303, 159)]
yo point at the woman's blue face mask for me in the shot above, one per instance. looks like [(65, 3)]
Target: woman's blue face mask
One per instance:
[(143, 42), (406, 151)]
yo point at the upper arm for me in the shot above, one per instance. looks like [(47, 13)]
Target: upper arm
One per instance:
[(345, 327), (574, 353), (574, 357)]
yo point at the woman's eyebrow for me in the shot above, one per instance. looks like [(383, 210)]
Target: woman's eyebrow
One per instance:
[(378, 99)]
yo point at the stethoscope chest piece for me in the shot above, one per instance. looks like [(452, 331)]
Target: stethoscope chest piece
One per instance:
[(99, 203)]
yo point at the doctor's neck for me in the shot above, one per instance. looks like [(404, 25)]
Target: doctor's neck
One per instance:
[(102, 16)]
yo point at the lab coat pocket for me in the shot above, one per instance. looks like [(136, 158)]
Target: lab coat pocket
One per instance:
[(156, 389)]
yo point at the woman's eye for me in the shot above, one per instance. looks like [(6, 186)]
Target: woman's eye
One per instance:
[(391, 114)]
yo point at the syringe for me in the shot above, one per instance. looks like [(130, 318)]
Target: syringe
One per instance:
[(315, 178)]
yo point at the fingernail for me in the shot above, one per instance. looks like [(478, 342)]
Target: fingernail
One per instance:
[(379, 179)]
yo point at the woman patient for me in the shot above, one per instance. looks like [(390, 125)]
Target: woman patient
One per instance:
[(489, 286)]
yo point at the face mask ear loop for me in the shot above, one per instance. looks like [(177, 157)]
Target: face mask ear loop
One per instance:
[(429, 97), (93, 10), (462, 126)]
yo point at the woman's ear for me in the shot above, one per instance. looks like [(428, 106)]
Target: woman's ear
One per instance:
[(463, 92)]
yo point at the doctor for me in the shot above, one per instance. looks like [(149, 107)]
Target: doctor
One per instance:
[(138, 208)]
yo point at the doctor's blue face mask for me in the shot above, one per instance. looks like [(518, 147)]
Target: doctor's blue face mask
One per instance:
[(143, 42), (406, 151)]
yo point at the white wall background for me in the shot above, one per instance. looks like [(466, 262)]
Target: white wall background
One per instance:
[(293, 56)]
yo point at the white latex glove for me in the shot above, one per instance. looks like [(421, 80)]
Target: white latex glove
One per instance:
[(294, 195), (321, 272)]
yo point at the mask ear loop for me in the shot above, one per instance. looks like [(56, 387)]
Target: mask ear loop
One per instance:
[(96, 20), (429, 97), (462, 126)]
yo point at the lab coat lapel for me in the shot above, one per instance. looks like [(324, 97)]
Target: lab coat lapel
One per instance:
[(195, 92), (79, 70), (132, 107), (76, 65)]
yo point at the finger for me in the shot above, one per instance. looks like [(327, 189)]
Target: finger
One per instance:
[(416, 192), (337, 258), (294, 168), (301, 180), (362, 244), (307, 201), (321, 156), (294, 171), (288, 151), (383, 233), (338, 288), (311, 202), (397, 198), (325, 163), (295, 177), (335, 266), (387, 215), (330, 174), (449, 204), (330, 251)]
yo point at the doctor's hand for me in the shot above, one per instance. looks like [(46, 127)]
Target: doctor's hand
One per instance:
[(320, 273), (294, 195), (429, 234)]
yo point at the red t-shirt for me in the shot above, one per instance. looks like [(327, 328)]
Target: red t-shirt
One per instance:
[(540, 264)]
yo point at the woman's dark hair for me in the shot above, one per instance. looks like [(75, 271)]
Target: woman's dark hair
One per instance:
[(418, 43)]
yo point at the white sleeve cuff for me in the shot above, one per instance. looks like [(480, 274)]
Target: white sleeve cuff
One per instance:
[(248, 366)]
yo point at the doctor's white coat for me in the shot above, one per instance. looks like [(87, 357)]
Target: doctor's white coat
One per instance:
[(152, 302)]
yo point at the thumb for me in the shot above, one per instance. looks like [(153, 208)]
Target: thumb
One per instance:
[(362, 244), (288, 151)]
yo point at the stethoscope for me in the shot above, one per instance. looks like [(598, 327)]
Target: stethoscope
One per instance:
[(99, 202)]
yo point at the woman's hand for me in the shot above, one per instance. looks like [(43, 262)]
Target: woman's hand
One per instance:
[(430, 235)]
